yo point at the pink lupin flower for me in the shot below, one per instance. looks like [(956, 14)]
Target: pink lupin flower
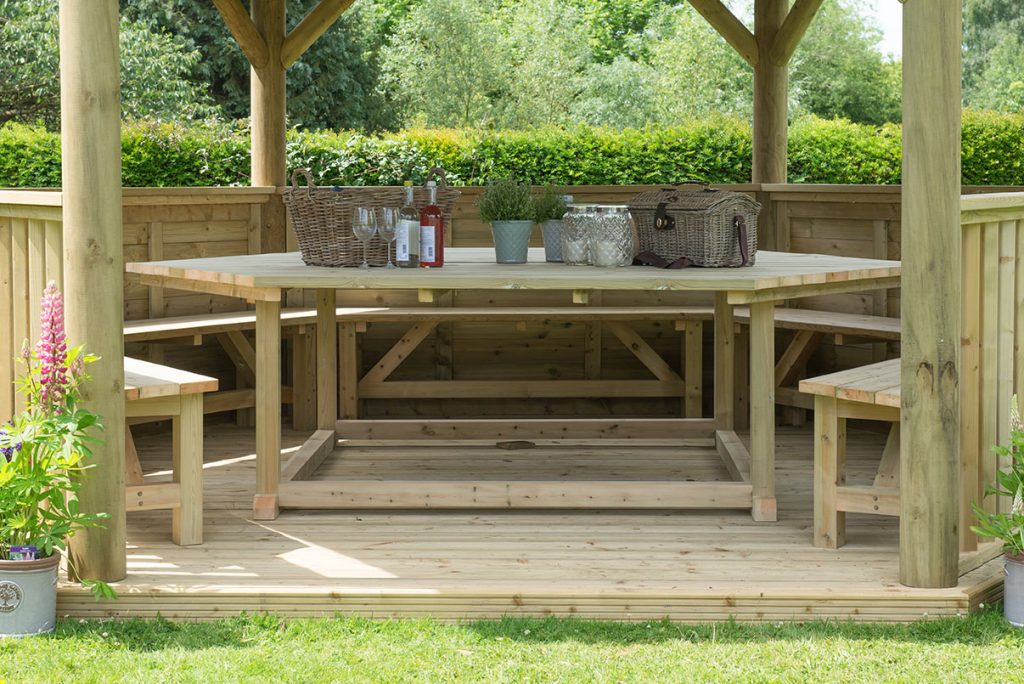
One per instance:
[(52, 348)]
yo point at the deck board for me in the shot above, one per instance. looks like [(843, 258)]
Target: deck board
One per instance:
[(692, 566)]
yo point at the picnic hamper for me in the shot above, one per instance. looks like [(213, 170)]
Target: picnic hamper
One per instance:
[(694, 224), (322, 217)]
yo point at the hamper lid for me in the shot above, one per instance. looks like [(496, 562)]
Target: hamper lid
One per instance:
[(689, 196)]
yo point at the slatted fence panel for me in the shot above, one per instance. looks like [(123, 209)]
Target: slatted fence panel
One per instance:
[(993, 325)]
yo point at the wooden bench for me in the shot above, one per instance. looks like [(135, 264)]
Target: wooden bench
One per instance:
[(229, 329), (155, 391), (870, 393), (809, 330)]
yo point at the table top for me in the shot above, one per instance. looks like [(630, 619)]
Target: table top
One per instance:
[(475, 268)]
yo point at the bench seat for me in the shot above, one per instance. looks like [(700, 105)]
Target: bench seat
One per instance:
[(155, 391), (869, 392)]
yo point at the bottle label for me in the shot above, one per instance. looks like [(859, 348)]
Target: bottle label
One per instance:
[(407, 232), (427, 253)]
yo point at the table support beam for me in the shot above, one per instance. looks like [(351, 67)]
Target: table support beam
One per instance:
[(762, 409)]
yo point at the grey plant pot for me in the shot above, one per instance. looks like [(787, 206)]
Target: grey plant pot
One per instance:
[(28, 596), (511, 241), (552, 231), (1013, 591)]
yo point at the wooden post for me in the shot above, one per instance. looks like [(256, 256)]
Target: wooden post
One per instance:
[(267, 92), (771, 90), (90, 80), (929, 475)]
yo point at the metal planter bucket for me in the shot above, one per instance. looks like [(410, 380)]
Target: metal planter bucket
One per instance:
[(1013, 591), (511, 241), (28, 596), (552, 231)]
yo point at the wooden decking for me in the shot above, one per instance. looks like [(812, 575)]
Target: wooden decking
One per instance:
[(689, 566)]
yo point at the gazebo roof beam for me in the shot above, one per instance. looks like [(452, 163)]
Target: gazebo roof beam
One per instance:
[(312, 26), (245, 32), (729, 27), (793, 30)]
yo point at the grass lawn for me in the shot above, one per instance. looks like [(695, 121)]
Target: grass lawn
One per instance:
[(262, 648)]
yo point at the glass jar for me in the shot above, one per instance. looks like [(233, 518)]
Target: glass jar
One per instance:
[(576, 229), (611, 239)]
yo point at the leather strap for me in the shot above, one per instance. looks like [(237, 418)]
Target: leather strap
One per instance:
[(652, 259), (741, 234)]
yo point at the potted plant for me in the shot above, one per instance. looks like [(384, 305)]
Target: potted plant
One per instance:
[(1008, 527), (548, 209), (42, 457), (507, 205)]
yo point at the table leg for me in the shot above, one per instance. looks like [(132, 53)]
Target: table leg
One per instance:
[(762, 410), (268, 409), (326, 360), (725, 364)]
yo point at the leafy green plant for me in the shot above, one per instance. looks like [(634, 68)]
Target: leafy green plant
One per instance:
[(1007, 527), (506, 199), (44, 448), (549, 205)]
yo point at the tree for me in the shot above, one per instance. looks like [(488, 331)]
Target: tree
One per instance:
[(443, 64), (154, 69), (696, 73), (333, 85), (545, 54), (838, 70), (994, 54)]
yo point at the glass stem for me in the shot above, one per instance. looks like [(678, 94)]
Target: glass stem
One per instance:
[(366, 251)]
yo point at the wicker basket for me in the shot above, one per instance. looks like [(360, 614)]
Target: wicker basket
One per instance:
[(699, 226), (322, 217)]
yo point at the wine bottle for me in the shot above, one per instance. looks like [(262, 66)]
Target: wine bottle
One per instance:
[(407, 237), (431, 231)]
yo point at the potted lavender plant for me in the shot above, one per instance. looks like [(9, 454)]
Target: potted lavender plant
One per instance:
[(42, 458)]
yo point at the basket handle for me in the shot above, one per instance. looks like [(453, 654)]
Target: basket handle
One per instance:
[(310, 185), (440, 173)]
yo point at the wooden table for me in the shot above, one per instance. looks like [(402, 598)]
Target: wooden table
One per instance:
[(776, 277)]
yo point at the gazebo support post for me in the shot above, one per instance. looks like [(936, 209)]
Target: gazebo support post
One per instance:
[(930, 447), (267, 92), (90, 80), (771, 110)]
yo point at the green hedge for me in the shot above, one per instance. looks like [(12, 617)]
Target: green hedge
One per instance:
[(716, 150)]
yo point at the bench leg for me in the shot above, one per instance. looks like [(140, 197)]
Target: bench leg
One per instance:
[(693, 368), (829, 473), (348, 371), (187, 465), (304, 377)]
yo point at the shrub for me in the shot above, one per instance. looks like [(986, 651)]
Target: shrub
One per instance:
[(716, 150)]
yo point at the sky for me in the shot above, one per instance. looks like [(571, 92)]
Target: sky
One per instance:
[(889, 16)]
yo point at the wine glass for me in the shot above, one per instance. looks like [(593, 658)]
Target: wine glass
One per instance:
[(364, 225), (387, 227)]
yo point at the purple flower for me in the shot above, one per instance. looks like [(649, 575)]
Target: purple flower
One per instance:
[(52, 348)]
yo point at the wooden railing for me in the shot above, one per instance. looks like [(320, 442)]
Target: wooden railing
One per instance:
[(159, 223), (991, 364), (31, 253)]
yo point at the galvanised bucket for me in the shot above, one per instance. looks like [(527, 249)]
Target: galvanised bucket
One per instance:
[(28, 596)]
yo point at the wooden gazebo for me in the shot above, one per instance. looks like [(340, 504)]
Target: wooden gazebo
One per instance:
[(930, 476)]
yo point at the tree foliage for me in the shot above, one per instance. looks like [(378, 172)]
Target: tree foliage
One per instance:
[(333, 85), (155, 68), (994, 54)]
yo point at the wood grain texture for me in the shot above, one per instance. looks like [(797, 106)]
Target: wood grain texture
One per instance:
[(930, 467), (91, 203), (688, 565)]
